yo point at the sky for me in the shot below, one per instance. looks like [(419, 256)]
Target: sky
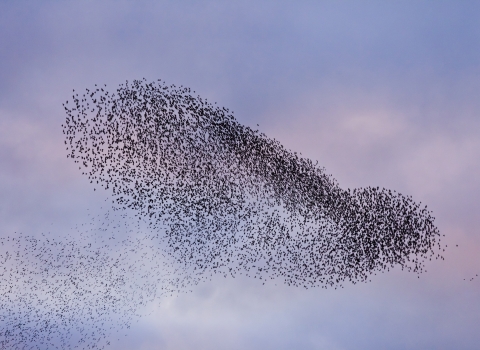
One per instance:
[(379, 93)]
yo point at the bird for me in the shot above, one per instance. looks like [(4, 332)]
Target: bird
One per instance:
[(193, 193)]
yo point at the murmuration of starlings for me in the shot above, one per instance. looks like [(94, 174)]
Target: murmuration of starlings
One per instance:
[(233, 200), (193, 193)]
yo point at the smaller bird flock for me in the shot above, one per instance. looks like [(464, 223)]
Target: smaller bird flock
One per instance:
[(216, 197), (65, 293)]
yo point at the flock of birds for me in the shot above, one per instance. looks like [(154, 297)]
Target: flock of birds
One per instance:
[(78, 292), (205, 195)]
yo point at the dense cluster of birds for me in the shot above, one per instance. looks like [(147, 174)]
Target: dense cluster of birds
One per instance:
[(232, 198), (217, 197)]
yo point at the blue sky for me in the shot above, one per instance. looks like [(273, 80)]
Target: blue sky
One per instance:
[(380, 93)]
